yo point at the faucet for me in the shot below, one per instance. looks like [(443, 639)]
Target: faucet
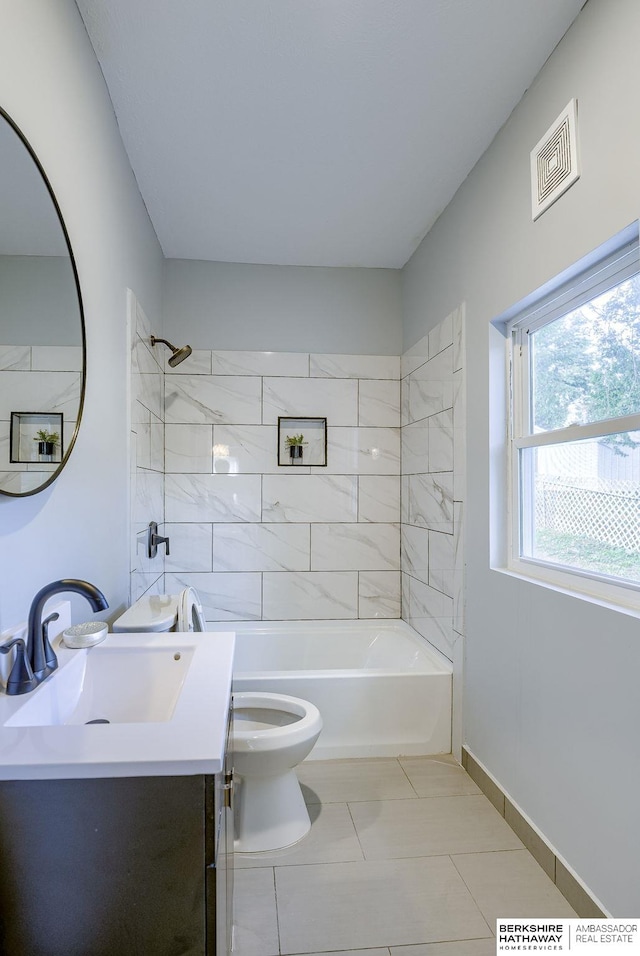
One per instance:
[(40, 655)]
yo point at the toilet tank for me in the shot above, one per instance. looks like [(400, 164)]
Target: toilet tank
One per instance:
[(154, 612)]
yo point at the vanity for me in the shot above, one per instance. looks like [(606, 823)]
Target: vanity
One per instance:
[(116, 827)]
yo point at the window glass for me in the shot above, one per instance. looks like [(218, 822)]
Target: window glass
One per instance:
[(585, 366), (580, 505)]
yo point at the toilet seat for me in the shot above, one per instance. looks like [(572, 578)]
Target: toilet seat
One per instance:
[(309, 721), (190, 615)]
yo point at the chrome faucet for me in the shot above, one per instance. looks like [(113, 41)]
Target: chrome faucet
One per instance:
[(40, 655)]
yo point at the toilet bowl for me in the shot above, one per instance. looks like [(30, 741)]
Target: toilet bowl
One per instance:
[(272, 734)]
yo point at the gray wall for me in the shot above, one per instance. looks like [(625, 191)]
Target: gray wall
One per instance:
[(551, 686), (38, 301), (223, 305), (51, 85)]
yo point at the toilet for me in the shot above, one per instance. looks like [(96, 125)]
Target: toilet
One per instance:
[(272, 734)]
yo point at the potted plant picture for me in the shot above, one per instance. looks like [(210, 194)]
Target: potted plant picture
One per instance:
[(295, 445), (47, 442)]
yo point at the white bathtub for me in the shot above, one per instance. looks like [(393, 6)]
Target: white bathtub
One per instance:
[(381, 689)]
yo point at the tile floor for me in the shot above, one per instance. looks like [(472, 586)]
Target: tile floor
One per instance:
[(405, 858)]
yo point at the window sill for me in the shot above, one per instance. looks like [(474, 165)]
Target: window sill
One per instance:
[(610, 596)]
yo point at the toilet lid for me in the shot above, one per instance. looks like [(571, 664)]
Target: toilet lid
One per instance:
[(190, 613)]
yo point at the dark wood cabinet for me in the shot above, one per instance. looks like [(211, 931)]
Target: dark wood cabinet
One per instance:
[(112, 867)]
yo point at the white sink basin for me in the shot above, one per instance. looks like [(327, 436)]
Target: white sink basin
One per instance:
[(137, 704), (110, 685)]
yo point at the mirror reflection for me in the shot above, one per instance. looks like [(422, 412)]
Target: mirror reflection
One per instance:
[(41, 325)]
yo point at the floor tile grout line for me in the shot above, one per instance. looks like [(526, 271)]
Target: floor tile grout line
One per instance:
[(275, 897), (451, 855), (408, 777)]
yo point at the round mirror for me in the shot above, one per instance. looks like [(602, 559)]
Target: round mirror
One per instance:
[(42, 338)]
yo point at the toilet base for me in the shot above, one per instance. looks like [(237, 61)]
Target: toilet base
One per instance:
[(270, 813)]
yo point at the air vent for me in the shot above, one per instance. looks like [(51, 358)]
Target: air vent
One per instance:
[(554, 161)]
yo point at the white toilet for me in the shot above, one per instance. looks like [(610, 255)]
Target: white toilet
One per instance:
[(272, 734)]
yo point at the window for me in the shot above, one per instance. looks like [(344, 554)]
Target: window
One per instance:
[(575, 427)]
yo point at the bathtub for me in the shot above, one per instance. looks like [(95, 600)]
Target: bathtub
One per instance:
[(381, 689)]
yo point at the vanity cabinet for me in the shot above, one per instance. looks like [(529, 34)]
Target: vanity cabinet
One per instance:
[(124, 866)]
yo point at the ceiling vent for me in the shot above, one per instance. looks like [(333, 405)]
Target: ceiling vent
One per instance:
[(554, 161)]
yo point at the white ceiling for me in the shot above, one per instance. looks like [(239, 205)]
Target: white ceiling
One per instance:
[(312, 132)]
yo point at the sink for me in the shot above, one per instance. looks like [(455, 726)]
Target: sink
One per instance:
[(110, 685), (135, 705)]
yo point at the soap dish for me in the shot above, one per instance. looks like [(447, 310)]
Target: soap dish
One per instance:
[(85, 635)]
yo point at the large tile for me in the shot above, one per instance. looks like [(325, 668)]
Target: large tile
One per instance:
[(355, 547), (254, 913), (202, 497), (438, 776), (245, 449), (441, 336), (306, 498), (379, 594), (261, 547), (207, 399), (379, 403), (188, 448), (190, 547), (225, 596), (431, 826), (355, 366), (15, 358), (333, 399), (307, 595), (415, 552), (415, 448), (288, 364), (332, 839), (511, 884), (414, 357), (336, 781), (56, 358), (431, 501), (363, 451), (441, 441), (342, 906), (379, 498), (465, 947), (53, 391), (442, 561)]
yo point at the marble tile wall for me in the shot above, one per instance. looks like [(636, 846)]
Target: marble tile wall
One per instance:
[(33, 379), (433, 475), (146, 410), (262, 541)]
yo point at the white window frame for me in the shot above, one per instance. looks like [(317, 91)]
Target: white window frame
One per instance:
[(602, 274)]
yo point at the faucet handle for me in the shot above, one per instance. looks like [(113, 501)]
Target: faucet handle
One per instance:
[(49, 654), (154, 540), (21, 679)]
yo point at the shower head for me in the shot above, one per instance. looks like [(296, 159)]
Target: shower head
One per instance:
[(179, 354)]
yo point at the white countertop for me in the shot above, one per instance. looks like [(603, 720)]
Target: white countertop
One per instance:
[(190, 742)]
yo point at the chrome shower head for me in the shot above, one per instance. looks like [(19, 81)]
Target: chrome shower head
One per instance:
[(179, 354)]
